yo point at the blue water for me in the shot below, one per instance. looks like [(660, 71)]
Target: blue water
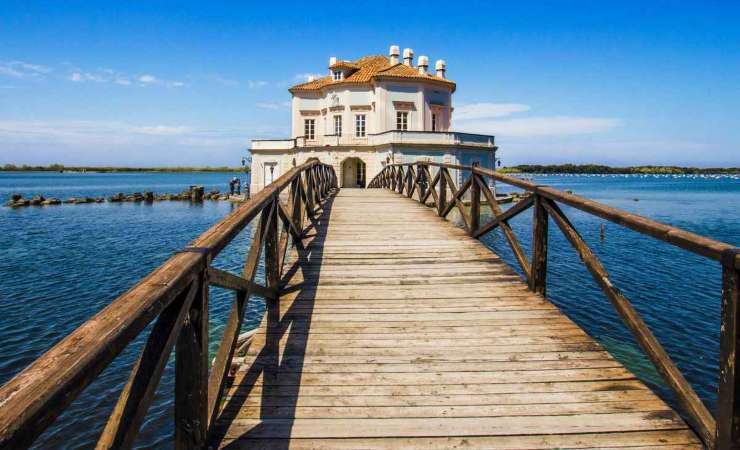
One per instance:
[(62, 264)]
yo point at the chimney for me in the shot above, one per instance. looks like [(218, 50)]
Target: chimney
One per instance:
[(408, 57), (423, 64), (332, 61), (393, 54), (440, 67)]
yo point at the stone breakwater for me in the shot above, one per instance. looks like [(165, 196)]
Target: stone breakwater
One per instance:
[(193, 194)]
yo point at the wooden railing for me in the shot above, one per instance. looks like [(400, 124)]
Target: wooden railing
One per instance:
[(175, 297), (415, 180)]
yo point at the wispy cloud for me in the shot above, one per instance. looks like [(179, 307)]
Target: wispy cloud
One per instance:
[(272, 105), (20, 69), (256, 84), (541, 126), (493, 118), (85, 133), (474, 111), (306, 76), (151, 80), (222, 80)]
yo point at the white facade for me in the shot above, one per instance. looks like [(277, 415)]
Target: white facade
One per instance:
[(366, 114)]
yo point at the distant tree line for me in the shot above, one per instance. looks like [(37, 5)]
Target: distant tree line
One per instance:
[(601, 169), (63, 168)]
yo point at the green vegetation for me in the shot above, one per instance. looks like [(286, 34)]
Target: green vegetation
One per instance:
[(601, 169), (63, 168)]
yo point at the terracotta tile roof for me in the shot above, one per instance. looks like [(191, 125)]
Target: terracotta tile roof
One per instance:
[(369, 68), (348, 65)]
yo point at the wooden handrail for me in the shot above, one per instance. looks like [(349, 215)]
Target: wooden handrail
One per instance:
[(722, 433), (176, 295)]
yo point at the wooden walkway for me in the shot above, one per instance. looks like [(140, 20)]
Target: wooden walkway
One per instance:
[(400, 331)]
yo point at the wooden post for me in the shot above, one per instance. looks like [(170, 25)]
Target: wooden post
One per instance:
[(474, 202), (191, 371), (409, 180), (399, 181), (442, 191), (538, 279), (728, 398), (421, 181), (272, 258)]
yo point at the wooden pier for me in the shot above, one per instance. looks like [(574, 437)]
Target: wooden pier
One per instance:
[(387, 326)]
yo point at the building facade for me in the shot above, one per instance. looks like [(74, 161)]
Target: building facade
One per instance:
[(367, 113)]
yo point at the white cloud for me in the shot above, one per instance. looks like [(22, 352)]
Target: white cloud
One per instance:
[(223, 81), (486, 118), (78, 76), (20, 69), (256, 84), (272, 105), (540, 126), (161, 130), (488, 110), (148, 79), (107, 133), (306, 76)]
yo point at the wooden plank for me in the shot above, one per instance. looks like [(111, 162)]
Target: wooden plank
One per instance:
[(224, 279), (674, 440), (477, 426)]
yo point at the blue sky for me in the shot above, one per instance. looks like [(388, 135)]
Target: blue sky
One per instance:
[(181, 83)]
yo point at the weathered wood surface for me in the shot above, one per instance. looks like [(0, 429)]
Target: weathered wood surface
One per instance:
[(397, 330)]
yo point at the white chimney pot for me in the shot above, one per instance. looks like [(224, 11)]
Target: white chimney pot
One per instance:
[(393, 54), (423, 64), (408, 57), (440, 66), (332, 60)]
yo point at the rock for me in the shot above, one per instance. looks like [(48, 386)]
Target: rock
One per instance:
[(149, 196), (71, 200), (196, 193), (18, 203), (36, 200), (16, 197), (51, 201), (99, 199), (117, 198)]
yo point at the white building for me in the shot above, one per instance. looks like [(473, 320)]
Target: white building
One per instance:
[(368, 113)]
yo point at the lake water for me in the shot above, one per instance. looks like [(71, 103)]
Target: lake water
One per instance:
[(62, 264)]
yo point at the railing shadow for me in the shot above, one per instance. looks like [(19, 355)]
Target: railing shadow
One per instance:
[(280, 374)]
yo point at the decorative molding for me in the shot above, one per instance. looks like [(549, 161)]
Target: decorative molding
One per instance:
[(337, 108), (360, 108), (310, 112), (404, 106), (323, 112)]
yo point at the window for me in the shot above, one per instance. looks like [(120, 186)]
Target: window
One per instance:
[(337, 74), (360, 125), (309, 129), (338, 125), (402, 120), (434, 122)]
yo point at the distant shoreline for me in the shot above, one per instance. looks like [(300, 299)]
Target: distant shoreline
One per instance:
[(630, 170), (112, 169)]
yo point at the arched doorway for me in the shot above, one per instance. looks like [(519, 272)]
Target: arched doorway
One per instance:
[(353, 173)]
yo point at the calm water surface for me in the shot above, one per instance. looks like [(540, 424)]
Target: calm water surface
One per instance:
[(64, 263)]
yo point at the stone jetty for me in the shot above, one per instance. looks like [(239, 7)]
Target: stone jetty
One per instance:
[(193, 193)]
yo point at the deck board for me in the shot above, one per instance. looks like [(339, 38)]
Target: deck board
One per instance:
[(397, 330)]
